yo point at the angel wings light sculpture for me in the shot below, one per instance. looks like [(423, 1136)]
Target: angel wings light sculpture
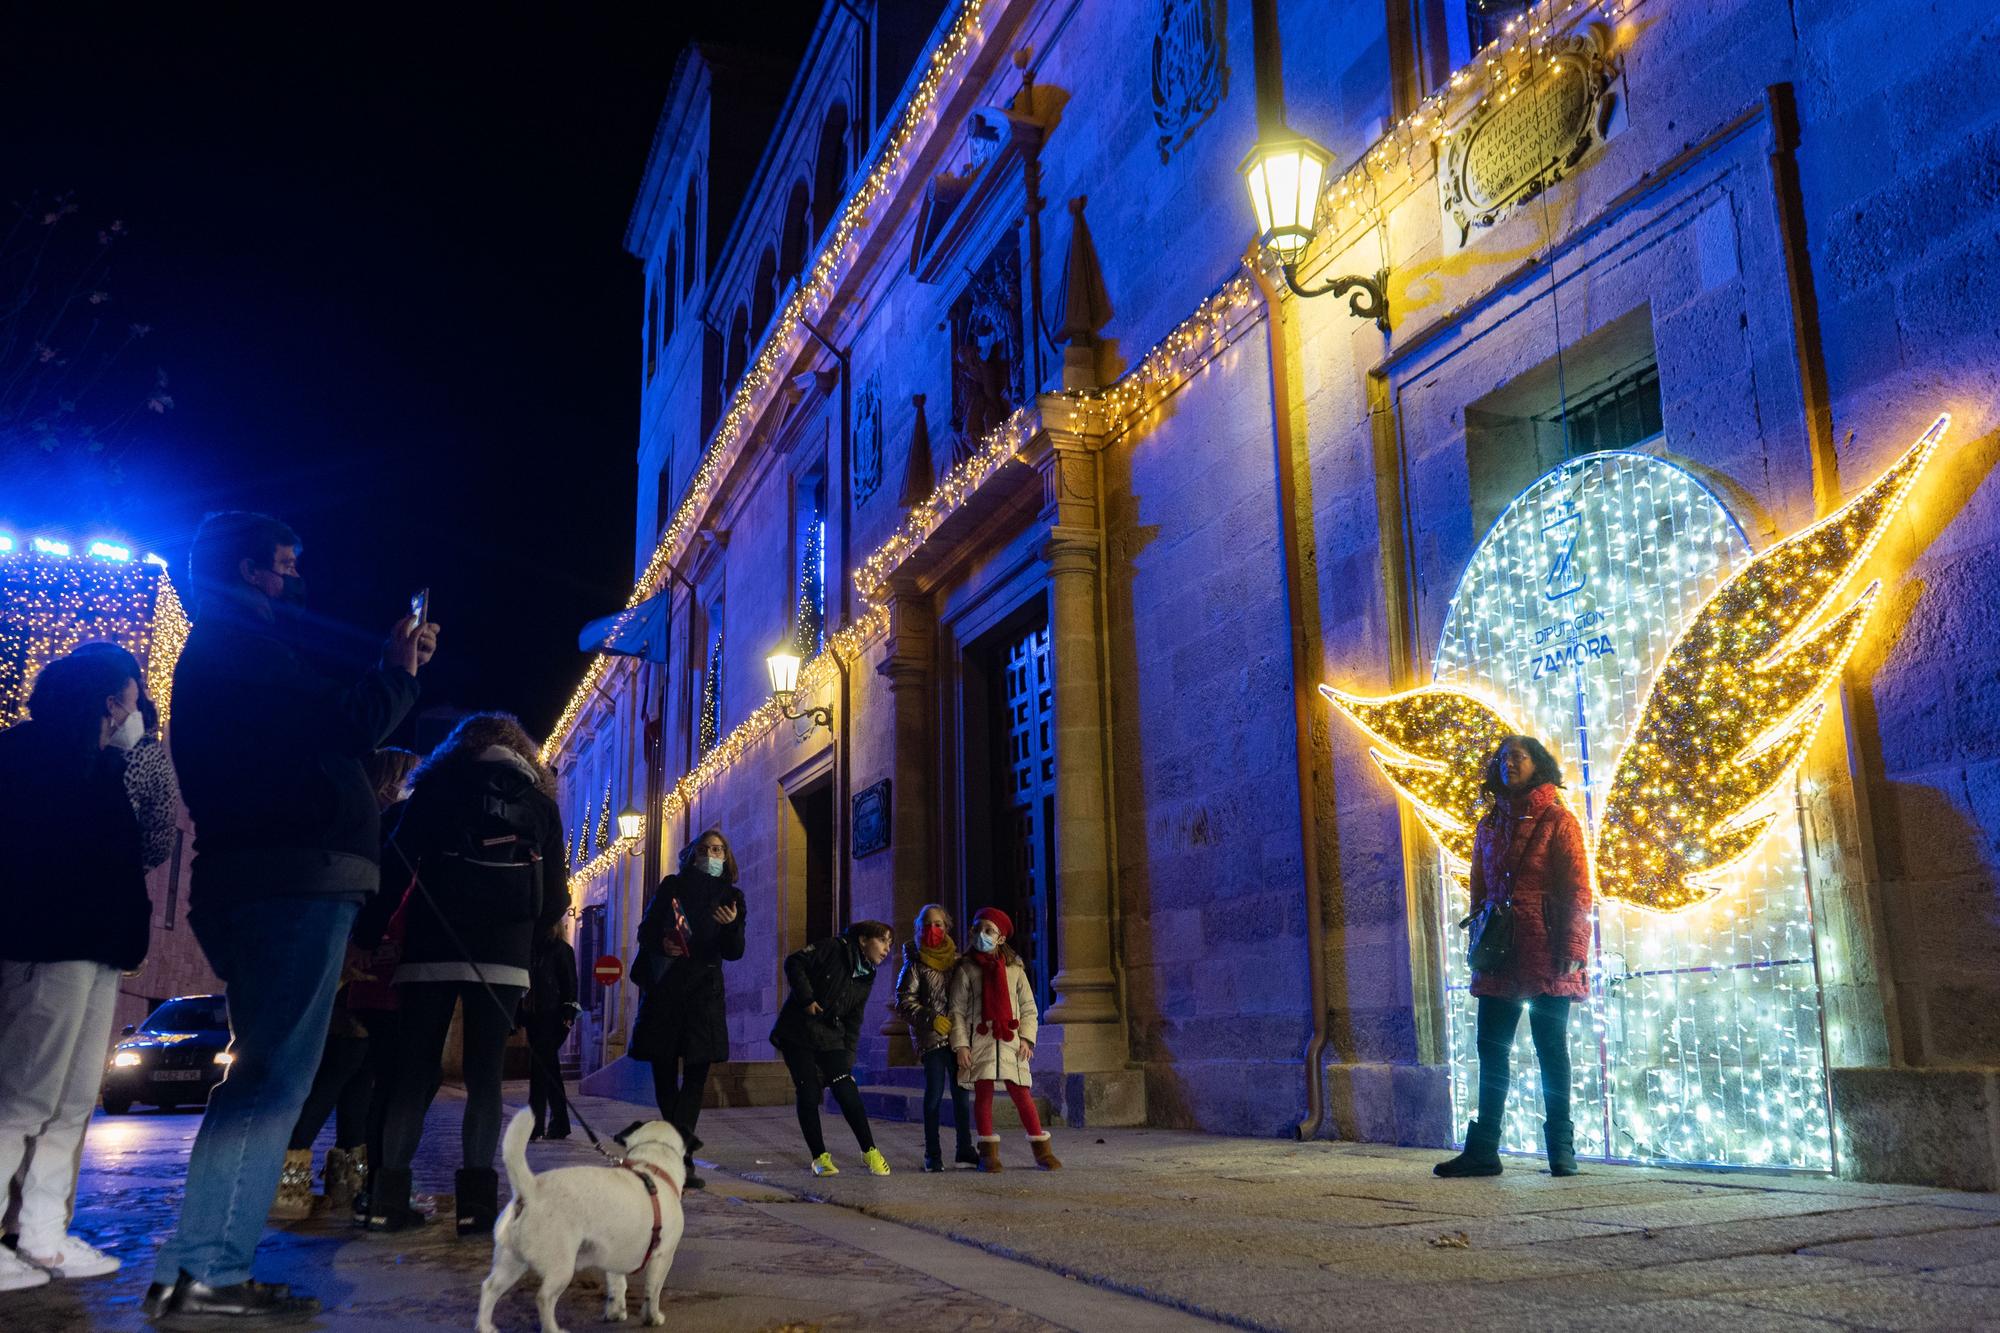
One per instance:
[(1726, 718)]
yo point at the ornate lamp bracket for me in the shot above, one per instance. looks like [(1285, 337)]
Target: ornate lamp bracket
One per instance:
[(1367, 297)]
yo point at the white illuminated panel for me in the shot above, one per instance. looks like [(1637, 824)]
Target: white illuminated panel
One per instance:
[(1701, 1038)]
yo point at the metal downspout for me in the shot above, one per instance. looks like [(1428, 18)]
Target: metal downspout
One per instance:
[(1284, 439)]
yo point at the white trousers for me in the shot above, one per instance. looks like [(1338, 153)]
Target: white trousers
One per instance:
[(55, 1028)]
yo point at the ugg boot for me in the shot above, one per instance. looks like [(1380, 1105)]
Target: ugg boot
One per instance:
[(989, 1153), (343, 1175), (1045, 1156), (478, 1201), (295, 1186), (1560, 1136), (1481, 1156), (389, 1202)]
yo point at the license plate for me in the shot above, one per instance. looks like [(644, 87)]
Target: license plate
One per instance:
[(177, 1076)]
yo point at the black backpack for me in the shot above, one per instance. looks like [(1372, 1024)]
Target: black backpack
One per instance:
[(492, 868)]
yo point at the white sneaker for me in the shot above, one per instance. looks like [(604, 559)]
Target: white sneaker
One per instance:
[(73, 1257), (17, 1274)]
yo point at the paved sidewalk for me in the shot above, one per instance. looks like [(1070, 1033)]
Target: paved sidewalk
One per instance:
[(1271, 1234), (1144, 1229)]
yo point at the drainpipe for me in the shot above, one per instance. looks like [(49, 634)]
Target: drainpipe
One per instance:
[(843, 779), (1284, 438)]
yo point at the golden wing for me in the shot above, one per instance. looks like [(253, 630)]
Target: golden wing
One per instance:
[(1439, 740), (1731, 711)]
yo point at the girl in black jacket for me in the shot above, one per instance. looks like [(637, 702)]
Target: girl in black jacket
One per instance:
[(73, 895), (819, 1029), (691, 928), (483, 838)]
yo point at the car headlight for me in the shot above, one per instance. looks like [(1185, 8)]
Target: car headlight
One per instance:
[(224, 1058), (125, 1059)]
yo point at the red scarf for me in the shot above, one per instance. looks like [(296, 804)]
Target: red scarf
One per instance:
[(996, 996)]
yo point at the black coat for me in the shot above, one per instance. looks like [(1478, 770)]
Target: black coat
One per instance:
[(823, 974), (551, 998), (72, 888), (269, 752), (684, 1015), (494, 916)]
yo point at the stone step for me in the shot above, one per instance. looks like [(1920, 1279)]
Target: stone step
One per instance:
[(899, 1102)]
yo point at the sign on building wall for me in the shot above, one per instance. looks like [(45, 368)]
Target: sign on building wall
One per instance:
[(871, 820), (1536, 124), (1617, 611)]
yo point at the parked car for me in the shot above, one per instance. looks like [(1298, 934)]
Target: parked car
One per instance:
[(171, 1059)]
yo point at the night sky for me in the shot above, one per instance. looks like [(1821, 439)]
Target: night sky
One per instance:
[(382, 261)]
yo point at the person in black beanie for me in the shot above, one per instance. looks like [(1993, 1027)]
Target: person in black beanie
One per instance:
[(693, 926), (269, 749)]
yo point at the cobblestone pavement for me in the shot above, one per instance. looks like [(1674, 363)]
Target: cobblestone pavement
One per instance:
[(1144, 1229), (754, 1258)]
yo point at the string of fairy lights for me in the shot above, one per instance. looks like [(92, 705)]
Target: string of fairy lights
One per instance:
[(1500, 70), (884, 177), (52, 600)]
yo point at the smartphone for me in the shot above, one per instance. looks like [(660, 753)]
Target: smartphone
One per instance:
[(420, 605)]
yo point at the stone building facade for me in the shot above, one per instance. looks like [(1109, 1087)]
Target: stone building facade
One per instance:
[(1072, 504)]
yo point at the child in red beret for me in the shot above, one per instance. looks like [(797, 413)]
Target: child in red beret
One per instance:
[(993, 1025)]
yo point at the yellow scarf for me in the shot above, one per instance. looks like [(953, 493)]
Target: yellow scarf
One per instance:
[(939, 959)]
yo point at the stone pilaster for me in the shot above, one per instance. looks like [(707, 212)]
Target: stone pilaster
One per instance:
[(907, 667), (1087, 1009)]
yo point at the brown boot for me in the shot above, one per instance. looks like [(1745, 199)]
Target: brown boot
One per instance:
[(344, 1172), (989, 1154), (295, 1186), (1045, 1156)]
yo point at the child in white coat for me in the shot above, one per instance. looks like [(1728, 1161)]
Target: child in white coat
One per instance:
[(993, 1024)]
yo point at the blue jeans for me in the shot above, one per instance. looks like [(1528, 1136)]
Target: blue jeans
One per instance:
[(940, 1073), (279, 960)]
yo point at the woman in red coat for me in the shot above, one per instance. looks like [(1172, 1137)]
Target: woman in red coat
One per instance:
[(1530, 847)]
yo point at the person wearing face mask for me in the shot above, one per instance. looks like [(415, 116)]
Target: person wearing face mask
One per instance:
[(73, 895), (819, 1029), (1528, 852), (149, 771), (269, 746), (994, 1019), (693, 925), (923, 998)]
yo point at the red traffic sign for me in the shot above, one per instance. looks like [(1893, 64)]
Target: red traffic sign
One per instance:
[(608, 970)]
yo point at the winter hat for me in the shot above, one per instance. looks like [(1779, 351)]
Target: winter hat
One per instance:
[(1001, 921)]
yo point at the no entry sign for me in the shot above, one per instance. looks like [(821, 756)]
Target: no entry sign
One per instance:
[(608, 970)]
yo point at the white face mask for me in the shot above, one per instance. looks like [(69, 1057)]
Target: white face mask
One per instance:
[(985, 941), (130, 731), (714, 865)]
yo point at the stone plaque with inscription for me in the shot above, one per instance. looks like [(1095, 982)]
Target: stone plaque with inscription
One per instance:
[(1515, 144)]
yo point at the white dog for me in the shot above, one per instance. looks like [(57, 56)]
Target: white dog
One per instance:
[(620, 1220)]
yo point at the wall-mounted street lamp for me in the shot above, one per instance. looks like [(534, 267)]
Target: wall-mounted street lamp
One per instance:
[(1285, 174), (784, 668), (630, 823)]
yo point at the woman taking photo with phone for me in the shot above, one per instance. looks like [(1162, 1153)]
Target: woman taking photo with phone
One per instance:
[(691, 928), (1528, 866)]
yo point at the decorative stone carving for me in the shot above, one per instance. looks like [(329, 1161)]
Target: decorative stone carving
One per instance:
[(987, 353), (867, 461), (1190, 77), (1505, 152)]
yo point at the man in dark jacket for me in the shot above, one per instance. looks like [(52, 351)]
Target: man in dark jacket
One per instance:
[(819, 1029), (287, 846)]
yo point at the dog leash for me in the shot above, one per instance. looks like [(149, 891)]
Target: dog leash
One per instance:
[(555, 1075)]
